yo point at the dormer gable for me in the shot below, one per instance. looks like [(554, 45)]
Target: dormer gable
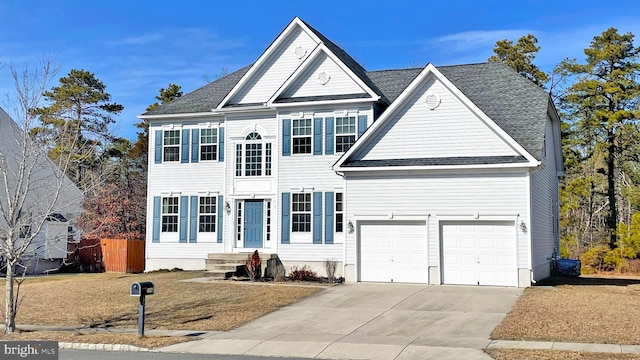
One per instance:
[(323, 76), (274, 66), (286, 69)]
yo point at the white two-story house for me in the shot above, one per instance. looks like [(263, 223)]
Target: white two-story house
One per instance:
[(439, 175)]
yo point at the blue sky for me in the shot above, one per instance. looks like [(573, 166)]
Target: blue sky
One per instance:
[(138, 47)]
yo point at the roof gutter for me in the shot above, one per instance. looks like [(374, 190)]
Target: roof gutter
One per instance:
[(535, 165), (325, 102), (173, 116), (209, 113)]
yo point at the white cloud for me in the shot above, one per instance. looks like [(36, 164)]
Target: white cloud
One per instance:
[(480, 38)]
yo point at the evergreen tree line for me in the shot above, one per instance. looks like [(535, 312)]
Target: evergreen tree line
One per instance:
[(597, 99)]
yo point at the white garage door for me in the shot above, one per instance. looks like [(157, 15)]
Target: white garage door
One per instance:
[(393, 251), (479, 253)]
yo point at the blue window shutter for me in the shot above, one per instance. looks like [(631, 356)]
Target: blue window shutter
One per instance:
[(362, 124), (328, 217), (220, 214), (184, 215), (328, 136), (195, 145), (185, 146), (158, 147), (286, 217), (221, 144), (317, 218), (317, 136), (193, 220), (155, 236), (286, 137)]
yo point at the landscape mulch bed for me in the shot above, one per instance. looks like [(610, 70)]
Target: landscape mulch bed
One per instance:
[(103, 300), (526, 354), (585, 309)]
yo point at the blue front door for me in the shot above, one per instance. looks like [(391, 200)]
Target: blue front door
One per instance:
[(253, 212)]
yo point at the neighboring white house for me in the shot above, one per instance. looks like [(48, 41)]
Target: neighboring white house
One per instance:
[(439, 175), (49, 247)]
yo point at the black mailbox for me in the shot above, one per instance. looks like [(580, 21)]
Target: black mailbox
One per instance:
[(142, 288)]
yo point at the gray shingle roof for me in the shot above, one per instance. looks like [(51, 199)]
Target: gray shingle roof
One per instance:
[(392, 82), (349, 62), (203, 99), (516, 104)]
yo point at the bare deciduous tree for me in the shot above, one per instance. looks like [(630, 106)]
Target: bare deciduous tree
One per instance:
[(33, 189)]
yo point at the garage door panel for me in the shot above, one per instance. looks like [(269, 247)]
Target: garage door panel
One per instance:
[(478, 253), (393, 251)]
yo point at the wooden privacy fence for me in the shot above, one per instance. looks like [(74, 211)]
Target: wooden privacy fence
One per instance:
[(124, 256), (85, 255)]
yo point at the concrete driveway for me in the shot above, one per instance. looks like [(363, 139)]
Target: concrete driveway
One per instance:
[(372, 321)]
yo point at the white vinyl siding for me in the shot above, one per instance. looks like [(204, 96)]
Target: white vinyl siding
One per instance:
[(447, 195), (449, 130), (320, 177), (276, 69), (181, 183), (544, 207), (308, 84)]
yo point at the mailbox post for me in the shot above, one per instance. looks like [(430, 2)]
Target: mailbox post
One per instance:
[(141, 290)]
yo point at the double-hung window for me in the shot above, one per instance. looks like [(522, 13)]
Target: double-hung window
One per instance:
[(301, 212), (170, 210), (208, 144), (171, 145), (345, 133), (207, 214), (339, 213), (302, 136)]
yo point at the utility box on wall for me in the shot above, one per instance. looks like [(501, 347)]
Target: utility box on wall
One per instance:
[(123, 256)]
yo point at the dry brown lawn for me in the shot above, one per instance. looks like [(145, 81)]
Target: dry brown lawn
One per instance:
[(590, 310), (148, 342), (525, 354), (102, 300)]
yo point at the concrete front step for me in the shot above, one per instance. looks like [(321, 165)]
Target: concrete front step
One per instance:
[(236, 256), (217, 274), (210, 262), (223, 267)]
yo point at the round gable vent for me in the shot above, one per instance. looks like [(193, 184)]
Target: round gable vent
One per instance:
[(323, 77), (300, 51), (432, 100)]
